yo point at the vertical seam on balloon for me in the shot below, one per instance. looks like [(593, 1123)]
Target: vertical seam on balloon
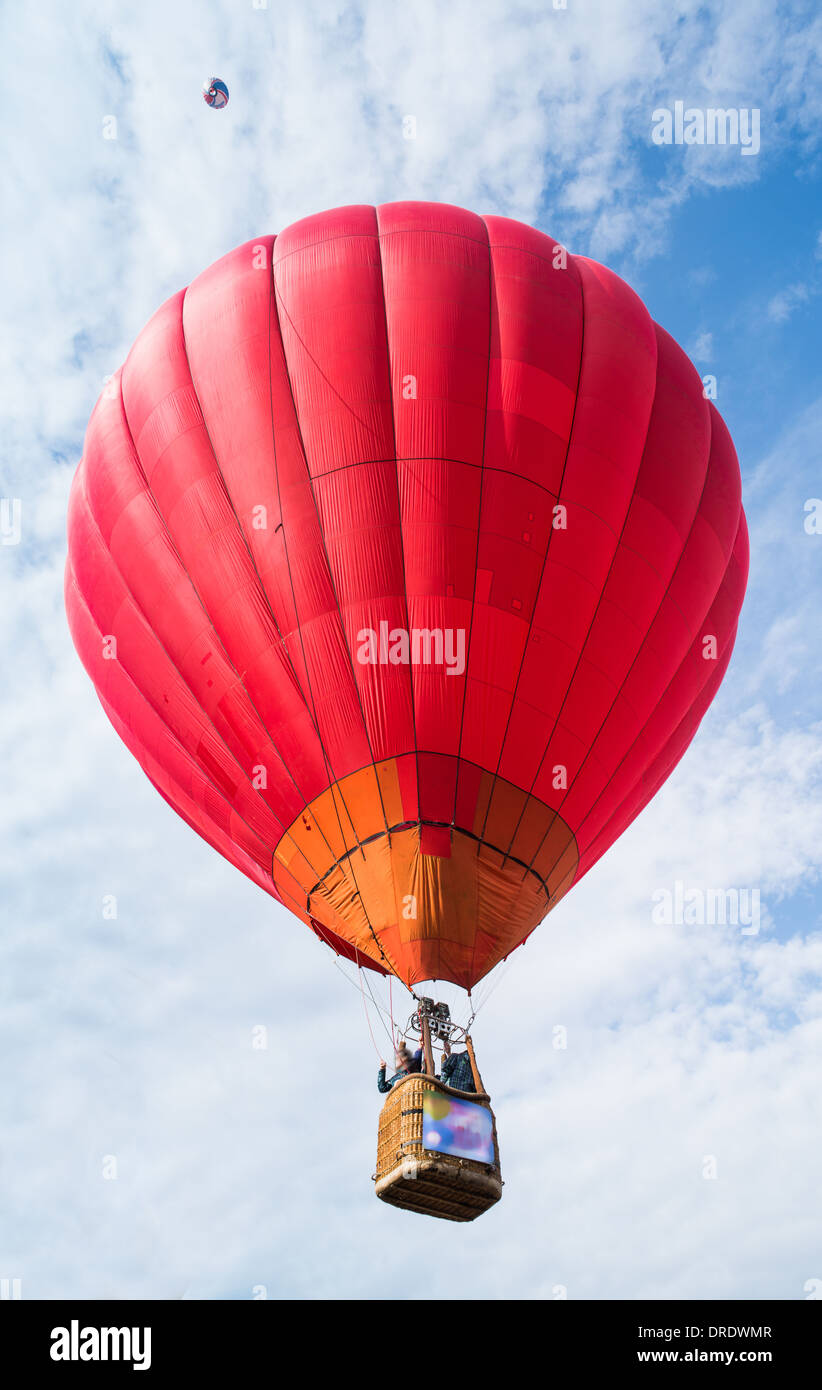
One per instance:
[(479, 525), (195, 590), (602, 590), (729, 640), (312, 712), (273, 313), (184, 569), (333, 785), (402, 541), (278, 295), (188, 756), (240, 529), (642, 644), (581, 286), (314, 717), (349, 407), (477, 551), (138, 606), (638, 651)]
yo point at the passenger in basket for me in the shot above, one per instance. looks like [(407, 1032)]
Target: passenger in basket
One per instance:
[(405, 1062), (456, 1070)]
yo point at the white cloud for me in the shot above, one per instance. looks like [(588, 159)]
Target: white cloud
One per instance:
[(702, 350), (783, 304)]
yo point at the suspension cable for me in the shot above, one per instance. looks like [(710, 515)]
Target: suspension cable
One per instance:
[(367, 1019)]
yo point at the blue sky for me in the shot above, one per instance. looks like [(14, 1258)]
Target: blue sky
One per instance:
[(131, 1039)]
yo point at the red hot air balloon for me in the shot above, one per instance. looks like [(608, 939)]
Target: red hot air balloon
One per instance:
[(423, 554)]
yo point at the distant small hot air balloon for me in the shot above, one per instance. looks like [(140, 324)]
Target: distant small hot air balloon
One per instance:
[(215, 93)]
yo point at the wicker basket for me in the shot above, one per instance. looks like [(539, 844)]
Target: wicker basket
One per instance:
[(433, 1184)]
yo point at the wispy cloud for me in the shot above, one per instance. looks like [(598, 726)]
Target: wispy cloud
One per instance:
[(702, 350), (783, 304)]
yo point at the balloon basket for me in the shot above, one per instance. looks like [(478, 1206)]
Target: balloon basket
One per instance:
[(434, 1182)]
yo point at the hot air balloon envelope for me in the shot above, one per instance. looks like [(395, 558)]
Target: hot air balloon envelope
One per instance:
[(215, 93), (420, 552)]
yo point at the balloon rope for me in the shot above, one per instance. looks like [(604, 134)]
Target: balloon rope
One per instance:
[(391, 1012), (367, 1019), (383, 1013), (473, 1012), (380, 1011)]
